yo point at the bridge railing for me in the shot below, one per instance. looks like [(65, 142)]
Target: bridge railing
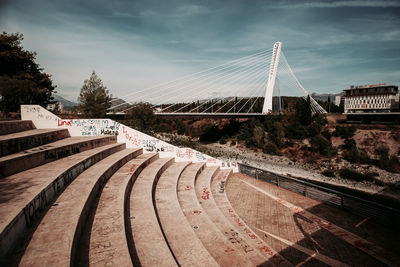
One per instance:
[(378, 212)]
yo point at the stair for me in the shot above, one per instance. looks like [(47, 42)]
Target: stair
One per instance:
[(108, 243), (61, 227), (186, 247), (8, 127), (79, 201), (16, 142), (40, 155), (150, 246)]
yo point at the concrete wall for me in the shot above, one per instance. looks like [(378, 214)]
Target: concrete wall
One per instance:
[(43, 118)]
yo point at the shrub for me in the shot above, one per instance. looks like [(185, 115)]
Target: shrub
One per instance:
[(233, 143), (344, 131), (354, 175), (271, 148), (351, 155), (325, 133), (349, 144), (297, 131), (328, 173)]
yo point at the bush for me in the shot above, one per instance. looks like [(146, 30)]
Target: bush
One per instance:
[(223, 140), (297, 131), (272, 149), (328, 173), (321, 144), (233, 143), (344, 131), (349, 144), (390, 164), (325, 133), (354, 175)]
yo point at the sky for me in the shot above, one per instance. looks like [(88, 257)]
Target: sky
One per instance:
[(133, 45)]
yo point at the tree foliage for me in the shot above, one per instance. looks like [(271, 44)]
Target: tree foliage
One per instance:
[(22, 81), (94, 99), (303, 111), (141, 116)]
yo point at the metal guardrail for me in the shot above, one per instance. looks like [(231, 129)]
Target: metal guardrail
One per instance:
[(380, 213)]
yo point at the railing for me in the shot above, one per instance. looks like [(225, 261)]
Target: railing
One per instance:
[(375, 211)]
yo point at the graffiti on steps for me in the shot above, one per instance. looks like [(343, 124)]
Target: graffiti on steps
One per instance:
[(42, 118)]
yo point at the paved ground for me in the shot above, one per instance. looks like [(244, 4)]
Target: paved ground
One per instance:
[(307, 232)]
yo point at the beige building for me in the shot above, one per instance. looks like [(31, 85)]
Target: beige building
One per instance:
[(371, 98)]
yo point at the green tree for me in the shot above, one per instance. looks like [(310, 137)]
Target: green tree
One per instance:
[(94, 99), (141, 117), (22, 81), (303, 111)]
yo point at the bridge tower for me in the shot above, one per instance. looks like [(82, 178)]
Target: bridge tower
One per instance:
[(273, 69)]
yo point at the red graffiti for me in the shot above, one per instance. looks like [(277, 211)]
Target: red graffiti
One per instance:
[(197, 212), (129, 137), (64, 122), (133, 168), (188, 187), (211, 160), (206, 194), (228, 249), (267, 250), (189, 153), (253, 236)]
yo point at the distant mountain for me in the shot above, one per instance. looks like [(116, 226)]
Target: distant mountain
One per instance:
[(66, 103)]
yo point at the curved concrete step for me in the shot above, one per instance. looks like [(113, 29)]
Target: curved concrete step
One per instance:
[(108, 243), (7, 127), (61, 227), (40, 155), (25, 195), (213, 240), (187, 248), (149, 247), (16, 142), (218, 185), (237, 239)]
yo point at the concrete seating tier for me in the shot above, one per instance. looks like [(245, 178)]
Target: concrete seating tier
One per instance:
[(217, 244), (16, 142), (7, 127), (61, 227), (37, 156), (108, 242), (26, 195), (237, 239), (218, 185), (186, 247), (148, 243), (89, 201)]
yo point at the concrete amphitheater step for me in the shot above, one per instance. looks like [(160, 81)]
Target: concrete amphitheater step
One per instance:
[(26, 195), (218, 185), (16, 142), (40, 155), (108, 244), (149, 245), (7, 127), (237, 239), (61, 227), (218, 245), (186, 247)]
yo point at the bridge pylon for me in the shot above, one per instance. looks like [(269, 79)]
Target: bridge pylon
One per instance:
[(273, 70)]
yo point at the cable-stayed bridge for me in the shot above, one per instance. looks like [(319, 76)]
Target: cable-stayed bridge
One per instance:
[(253, 85)]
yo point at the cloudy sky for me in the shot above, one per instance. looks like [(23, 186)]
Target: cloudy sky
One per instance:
[(134, 45)]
